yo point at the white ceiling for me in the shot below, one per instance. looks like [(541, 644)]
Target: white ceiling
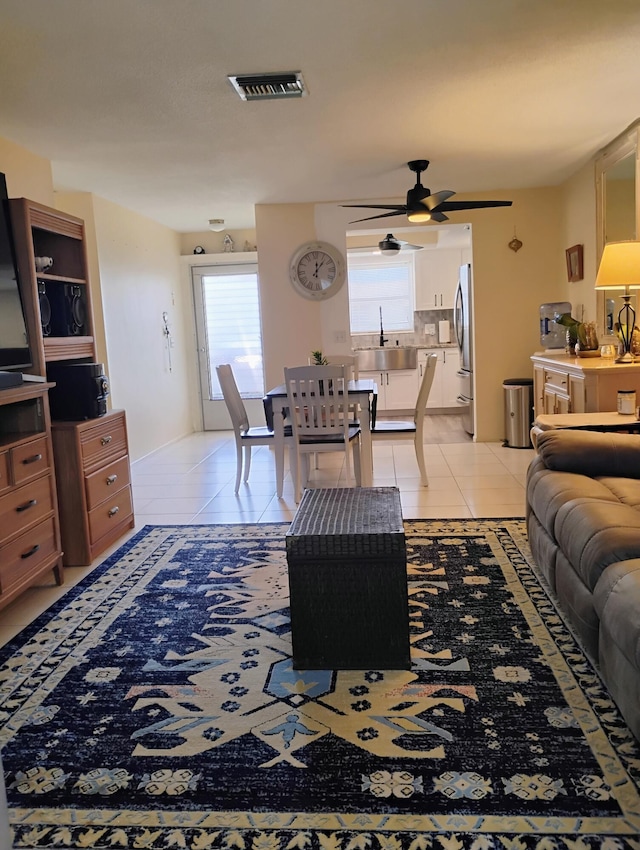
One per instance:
[(129, 99)]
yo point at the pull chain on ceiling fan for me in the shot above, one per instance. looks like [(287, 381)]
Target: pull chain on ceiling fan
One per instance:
[(421, 204)]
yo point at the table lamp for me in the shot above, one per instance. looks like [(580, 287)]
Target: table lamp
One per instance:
[(620, 268)]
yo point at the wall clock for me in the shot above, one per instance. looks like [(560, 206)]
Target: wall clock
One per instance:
[(317, 270)]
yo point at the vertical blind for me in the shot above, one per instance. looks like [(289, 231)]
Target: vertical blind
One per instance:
[(376, 283), (232, 326)]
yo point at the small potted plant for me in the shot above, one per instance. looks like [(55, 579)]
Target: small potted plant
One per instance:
[(318, 359)]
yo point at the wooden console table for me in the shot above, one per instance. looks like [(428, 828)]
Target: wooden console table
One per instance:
[(606, 421), (564, 384)]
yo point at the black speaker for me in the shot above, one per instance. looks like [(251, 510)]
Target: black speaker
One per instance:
[(67, 309), (45, 308), (76, 305)]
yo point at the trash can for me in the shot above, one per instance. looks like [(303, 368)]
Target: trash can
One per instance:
[(518, 412)]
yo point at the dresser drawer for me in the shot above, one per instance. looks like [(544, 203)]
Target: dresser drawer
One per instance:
[(103, 484), (4, 471), (111, 512), (30, 459), (105, 440), (24, 556), (556, 379), (25, 505)]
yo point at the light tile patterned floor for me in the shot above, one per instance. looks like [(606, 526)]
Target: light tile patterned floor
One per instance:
[(191, 481)]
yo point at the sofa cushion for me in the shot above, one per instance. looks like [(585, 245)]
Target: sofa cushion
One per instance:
[(590, 453), (548, 491), (626, 490), (594, 533), (617, 602)]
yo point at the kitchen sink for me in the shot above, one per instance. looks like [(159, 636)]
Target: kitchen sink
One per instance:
[(387, 359)]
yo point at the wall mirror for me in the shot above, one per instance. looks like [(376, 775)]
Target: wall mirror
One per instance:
[(617, 208)]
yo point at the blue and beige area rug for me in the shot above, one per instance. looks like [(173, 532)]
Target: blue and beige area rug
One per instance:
[(155, 706)]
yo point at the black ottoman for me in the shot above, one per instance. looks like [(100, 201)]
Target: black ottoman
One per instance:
[(347, 564)]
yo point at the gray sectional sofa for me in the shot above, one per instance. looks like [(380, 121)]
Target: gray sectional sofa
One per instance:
[(583, 519)]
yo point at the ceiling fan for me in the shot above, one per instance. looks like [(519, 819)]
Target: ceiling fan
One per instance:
[(423, 206), (391, 245)]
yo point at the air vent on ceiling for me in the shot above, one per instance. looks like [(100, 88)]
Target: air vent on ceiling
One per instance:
[(269, 86)]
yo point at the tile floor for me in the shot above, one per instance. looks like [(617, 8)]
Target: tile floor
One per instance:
[(192, 480)]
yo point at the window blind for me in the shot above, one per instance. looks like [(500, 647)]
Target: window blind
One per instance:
[(375, 283), (232, 326)]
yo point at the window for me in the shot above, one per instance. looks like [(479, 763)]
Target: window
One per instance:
[(228, 321), (376, 283)]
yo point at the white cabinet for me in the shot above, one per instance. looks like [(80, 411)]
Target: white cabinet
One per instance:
[(446, 384), (397, 389), (437, 277)]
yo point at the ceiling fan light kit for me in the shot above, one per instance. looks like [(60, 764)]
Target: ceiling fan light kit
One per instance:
[(422, 205)]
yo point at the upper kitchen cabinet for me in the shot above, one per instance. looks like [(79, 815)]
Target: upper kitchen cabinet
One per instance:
[(437, 277), (52, 260)]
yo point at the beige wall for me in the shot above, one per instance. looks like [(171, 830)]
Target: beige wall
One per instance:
[(140, 279), (578, 206), (28, 175)]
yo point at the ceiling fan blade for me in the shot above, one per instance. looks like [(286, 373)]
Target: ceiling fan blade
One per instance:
[(401, 211), (438, 216), (409, 247), (448, 206), (398, 207), (437, 198)]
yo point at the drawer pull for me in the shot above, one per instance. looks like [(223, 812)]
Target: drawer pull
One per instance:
[(32, 459), (30, 504), (114, 511), (31, 551), (111, 479), (106, 440)]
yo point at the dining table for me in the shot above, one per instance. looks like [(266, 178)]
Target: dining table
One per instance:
[(363, 393)]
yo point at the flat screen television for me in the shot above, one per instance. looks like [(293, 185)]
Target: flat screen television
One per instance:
[(15, 353)]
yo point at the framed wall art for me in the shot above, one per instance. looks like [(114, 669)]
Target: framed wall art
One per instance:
[(574, 263)]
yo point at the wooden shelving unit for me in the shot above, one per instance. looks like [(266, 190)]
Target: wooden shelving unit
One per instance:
[(60, 325)]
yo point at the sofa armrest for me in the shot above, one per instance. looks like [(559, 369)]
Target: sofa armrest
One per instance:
[(590, 453)]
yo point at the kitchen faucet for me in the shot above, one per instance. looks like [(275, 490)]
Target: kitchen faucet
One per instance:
[(383, 338)]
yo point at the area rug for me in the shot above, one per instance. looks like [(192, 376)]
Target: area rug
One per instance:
[(156, 706)]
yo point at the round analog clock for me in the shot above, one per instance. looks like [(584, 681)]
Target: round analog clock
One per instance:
[(317, 270)]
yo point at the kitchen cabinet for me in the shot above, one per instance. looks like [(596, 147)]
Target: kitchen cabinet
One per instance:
[(446, 384), (29, 529), (397, 388), (437, 277), (94, 484), (566, 384)]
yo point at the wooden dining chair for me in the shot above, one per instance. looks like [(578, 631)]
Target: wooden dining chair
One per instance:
[(319, 410), (396, 429), (247, 436)]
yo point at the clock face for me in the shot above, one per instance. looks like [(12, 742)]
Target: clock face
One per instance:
[(317, 270)]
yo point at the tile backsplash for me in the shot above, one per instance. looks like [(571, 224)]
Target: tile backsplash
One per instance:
[(418, 337)]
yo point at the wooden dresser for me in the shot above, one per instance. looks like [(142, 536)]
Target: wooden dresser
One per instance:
[(94, 483), (29, 530)]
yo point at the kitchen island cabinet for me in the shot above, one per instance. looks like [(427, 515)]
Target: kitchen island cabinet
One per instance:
[(565, 384), (397, 388)]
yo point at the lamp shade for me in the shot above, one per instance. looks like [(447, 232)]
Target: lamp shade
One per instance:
[(619, 266)]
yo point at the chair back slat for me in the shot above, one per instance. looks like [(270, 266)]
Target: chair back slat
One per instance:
[(232, 398), (318, 401)]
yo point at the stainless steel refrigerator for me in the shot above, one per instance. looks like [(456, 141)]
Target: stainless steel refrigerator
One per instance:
[(463, 330)]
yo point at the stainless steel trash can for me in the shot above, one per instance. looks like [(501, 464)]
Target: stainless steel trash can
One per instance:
[(518, 412)]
